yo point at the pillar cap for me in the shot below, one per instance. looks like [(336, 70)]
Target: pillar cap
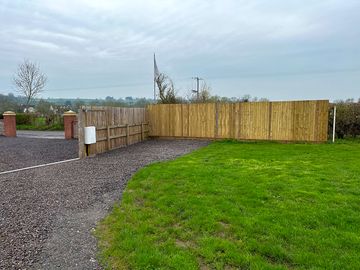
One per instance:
[(9, 113), (70, 113)]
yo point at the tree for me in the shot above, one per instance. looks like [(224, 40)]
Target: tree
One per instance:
[(246, 98), (29, 80), (167, 93), (204, 95), (44, 107), (68, 103), (8, 103), (78, 104)]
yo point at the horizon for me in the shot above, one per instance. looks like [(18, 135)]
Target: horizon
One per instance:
[(280, 51), (149, 99)]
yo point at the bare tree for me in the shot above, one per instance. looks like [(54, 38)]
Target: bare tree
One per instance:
[(29, 80), (203, 96), (205, 93), (167, 93)]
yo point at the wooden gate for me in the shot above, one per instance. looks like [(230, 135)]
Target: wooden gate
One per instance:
[(115, 127)]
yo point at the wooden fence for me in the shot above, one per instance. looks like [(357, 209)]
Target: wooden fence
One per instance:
[(281, 121), (115, 128)]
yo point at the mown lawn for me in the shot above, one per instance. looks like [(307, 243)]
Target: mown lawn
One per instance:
[(237, 205)]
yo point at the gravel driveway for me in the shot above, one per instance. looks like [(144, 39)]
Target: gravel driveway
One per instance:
[(41, 134), (16, 153), (47, 214)]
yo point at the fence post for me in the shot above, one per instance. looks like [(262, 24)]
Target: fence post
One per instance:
[(142, 131), (108, 137), (334, 125), (81, 124), (270, 121), (127, 134), (9, 124), (216, 120)]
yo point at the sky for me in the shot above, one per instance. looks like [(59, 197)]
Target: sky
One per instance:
[(279, 49)]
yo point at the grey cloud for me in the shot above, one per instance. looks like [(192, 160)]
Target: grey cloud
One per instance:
[(88, 42)]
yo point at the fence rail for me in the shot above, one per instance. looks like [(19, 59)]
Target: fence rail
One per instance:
[(126, 135), (115, 127), (281, 121)]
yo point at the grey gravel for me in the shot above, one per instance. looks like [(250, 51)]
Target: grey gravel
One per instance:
[(47, 214), (16, 153), (41, 134)]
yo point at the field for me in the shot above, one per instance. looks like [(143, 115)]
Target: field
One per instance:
[(236, 205)]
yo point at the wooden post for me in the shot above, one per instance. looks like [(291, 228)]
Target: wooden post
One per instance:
[(127, 134), (216, 120), (270, 121), (142, 132), (108, 137), (188, 106), (81, 124)]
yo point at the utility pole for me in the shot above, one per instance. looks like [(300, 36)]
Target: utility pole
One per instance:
[(197, 91)]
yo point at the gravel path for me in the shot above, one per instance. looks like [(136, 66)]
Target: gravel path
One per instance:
[(19, 152), (41, 134), (47, 214)]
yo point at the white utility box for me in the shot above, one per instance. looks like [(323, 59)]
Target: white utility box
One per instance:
[(90, 135)]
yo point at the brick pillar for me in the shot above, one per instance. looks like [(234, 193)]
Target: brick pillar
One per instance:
[(69, 119), (9, 124)]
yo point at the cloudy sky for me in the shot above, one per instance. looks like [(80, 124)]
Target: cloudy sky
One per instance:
[(279, 49)]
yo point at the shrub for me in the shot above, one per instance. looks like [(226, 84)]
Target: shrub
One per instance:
[(347, 119), (24, 118)]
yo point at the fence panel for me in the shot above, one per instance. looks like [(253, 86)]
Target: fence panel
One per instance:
[(282, 121), (253, 118), (115, 127)]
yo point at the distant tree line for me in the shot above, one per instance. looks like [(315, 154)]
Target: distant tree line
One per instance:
[(51, 106)]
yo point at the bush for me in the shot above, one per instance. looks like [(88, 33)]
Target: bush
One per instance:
[(24, 119), (347, 119)]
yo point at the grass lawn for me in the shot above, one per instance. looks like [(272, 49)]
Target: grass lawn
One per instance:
[(54, 127), (236, 205)]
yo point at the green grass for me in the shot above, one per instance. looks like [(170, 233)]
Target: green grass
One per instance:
[(53, 127), (39, 123), (237, 205)]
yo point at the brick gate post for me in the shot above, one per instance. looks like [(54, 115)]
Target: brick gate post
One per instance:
[(69, 119), (9, 124)]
